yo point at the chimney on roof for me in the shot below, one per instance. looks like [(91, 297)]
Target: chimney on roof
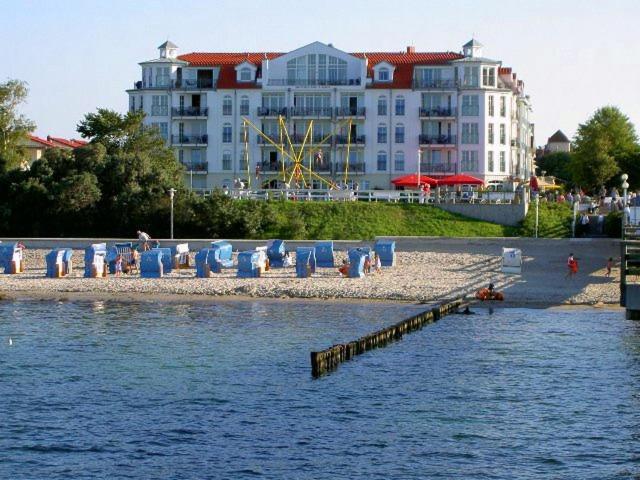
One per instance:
[(411, 49)]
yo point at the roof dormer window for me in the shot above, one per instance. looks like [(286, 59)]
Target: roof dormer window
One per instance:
[(245, 75), (383, 75)]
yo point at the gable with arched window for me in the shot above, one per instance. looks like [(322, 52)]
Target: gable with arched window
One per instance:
[(316, 69)]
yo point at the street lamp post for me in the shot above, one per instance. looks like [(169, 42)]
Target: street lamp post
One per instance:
[(624, 177), (172, 192)]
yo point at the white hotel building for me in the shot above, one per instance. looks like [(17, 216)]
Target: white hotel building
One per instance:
[(458, 112)]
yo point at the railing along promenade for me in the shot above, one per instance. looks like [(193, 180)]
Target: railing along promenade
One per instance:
[(396, 196)]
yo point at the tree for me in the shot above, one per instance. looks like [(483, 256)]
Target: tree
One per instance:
[(600, 143), (556, 164), (14, 127)]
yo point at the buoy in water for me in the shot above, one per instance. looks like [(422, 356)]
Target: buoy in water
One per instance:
[(10, 341)]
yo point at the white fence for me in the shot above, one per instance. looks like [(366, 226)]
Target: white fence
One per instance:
[(395, 196)]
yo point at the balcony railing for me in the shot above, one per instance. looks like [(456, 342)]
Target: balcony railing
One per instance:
[(437, 112), (298, 138), (196, 166), (437, 139), (355, 139), (272, 112), (190, 111), (183, 84), (350, 111), (310, 111), (189, 139), (194, 84), (354, 167), (138, 85), (304, 82), (430, 167), (441, 83)]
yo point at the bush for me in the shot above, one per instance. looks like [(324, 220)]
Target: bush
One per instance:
[(554, 220), (613, 225)]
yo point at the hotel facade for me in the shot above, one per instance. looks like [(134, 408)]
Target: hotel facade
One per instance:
[(374, 116)]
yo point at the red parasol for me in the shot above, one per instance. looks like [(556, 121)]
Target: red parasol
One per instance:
[(460, 179), (412, 181)]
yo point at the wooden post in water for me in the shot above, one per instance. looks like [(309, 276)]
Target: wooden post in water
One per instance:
[(329, 359)]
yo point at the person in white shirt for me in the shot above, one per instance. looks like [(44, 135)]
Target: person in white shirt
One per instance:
[(144, 239)]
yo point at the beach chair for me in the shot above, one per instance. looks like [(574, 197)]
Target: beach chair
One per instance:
[(11, 260), (512, 260), (205, 258), (249, 264), (180, 256), (386, 250), (123, 249), (275, 253), (167, 259), (95, 265), (223, 256), (324, 254), (59, 262), (151, 265), (357, 258), (305, 261)]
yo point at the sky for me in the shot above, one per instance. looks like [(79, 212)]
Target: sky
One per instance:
[(76, 56)]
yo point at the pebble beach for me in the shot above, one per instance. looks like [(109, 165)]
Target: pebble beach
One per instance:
[(432, 272)]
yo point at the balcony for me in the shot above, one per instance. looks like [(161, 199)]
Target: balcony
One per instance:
[(308, 82), (435, 83), (196, 167), (139, 85), (193, 84), (355, 139), (272, 112), (437, 168), (344, 112), (437, 112), (189, 111), (316, 112), (260, 140), (437, 139), (189, 139), (354, 167)]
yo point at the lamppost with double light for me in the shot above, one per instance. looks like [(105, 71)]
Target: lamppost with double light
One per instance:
[(172, 192), (624, 177)]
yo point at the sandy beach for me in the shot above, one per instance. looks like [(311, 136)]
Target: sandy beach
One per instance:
[(427, 270)]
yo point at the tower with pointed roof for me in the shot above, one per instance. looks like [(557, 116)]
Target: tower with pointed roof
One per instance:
[(168, 50), (472, 48)]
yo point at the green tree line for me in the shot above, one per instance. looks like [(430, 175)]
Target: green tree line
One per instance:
[(605, 146)]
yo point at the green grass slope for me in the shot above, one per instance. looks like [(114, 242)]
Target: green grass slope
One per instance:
[(355, 220)]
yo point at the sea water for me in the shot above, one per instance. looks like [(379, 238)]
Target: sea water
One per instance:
[(92, 389)]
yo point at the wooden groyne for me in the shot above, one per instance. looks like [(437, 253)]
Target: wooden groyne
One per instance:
[(328, 360)]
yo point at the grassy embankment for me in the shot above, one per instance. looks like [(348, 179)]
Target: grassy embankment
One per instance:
[(338, 221)]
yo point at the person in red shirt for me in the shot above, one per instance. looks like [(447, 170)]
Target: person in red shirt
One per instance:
[(572, 265)]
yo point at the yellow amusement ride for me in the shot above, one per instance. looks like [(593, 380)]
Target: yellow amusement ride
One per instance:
[(295, 169)]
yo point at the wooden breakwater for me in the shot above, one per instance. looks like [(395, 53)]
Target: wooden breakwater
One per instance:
[(328, 360)]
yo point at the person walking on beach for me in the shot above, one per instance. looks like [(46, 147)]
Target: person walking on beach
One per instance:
[(118, 265), (609, 267), (144, 240), (572, 265)]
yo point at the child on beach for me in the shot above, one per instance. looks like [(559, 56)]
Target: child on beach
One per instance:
[(572, 265), (118, 265), (378, 264), (609, 267)]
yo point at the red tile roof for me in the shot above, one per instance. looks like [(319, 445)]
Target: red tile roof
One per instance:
[(41, 141), (72, 143), (403, 61), (504, 71)]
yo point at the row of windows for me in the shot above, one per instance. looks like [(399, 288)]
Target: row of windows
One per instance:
[(491, 165), (469, 161), (491, 134)]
